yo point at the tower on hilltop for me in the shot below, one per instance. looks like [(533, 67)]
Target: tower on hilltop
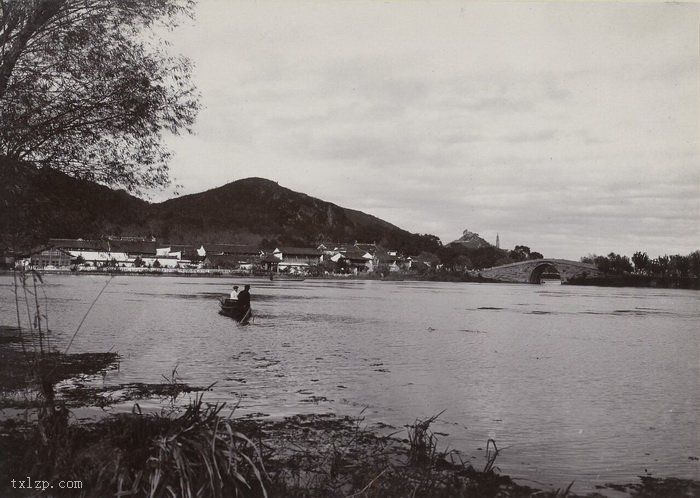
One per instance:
[(498, 241)]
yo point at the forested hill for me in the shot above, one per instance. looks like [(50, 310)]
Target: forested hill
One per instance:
[(37, 204), (254, 209)]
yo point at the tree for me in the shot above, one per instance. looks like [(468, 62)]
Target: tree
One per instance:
[(535, 255), (641, 261), (619, 264), (83, 91), (602, 263), (449, 254), (664, 263), (654, 268), (680, 265), (342, 266), (694, 263), (519, 253), (462, 263), (590, 259)]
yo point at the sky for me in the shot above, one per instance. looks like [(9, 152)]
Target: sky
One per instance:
[(571, 128)]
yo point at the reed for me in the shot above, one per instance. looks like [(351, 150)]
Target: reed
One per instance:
[(199, 453), (422, 442)]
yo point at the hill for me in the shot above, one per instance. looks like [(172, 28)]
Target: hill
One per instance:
[(41, 203), (471, 240), (255, 210), (37, 204)]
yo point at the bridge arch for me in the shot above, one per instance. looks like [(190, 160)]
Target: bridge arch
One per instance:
[(537, 272), (531, 271)]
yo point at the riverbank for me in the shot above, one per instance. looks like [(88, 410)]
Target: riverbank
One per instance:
[(639, 281)]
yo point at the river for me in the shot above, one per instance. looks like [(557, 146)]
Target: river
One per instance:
[(587, 383)]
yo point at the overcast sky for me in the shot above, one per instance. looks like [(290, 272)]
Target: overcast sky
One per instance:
[(572, 128)]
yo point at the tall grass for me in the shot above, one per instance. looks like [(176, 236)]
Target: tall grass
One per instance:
[(199, 453), (422, 442)]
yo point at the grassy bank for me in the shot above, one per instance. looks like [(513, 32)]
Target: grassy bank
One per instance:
[(201, 451)]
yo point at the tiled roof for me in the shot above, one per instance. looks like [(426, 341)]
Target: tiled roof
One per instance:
[(333, 245), (127, 246), (133, 246), (231, 249), (96, 245), (180, 247), (354, 253), (370, 248), (300, 251)]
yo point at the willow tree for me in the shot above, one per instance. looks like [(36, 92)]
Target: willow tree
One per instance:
[(89, 88)]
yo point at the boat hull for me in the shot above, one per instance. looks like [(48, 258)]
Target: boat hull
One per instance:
[(233, 309)]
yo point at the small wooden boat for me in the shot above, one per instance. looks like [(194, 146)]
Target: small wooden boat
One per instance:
[(232, 308)]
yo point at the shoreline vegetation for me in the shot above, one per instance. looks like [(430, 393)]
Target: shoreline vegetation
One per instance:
[(196, 448)]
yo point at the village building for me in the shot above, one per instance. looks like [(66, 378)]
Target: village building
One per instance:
[(185, 256), (393, 261), (352, 259), (106, 252), (237, 256), (51, 257), (361, 257), (295, 259)]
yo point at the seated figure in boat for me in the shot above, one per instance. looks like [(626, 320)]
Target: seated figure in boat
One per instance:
[(244, 297), (234, 292)]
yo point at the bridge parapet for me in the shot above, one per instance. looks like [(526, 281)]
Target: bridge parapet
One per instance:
[(530, 271)]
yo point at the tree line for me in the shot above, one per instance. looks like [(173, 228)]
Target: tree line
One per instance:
[(640, 263), (458, 258)]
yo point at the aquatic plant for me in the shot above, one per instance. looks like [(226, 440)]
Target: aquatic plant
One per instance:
[(199, 453), (422, 441)]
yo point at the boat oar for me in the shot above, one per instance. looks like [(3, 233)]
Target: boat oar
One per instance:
[(247, 314)]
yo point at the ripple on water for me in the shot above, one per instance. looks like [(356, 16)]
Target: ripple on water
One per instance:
[(568, 387)]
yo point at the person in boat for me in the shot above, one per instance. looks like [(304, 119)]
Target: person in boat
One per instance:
[(234, 292), (244, 298)]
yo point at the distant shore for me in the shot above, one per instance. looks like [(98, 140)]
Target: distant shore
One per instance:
[(640, 281)]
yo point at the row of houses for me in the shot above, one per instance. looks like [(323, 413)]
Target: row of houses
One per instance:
[(142, 252)]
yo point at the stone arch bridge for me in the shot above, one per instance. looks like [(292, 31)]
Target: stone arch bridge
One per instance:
[(531, 271)]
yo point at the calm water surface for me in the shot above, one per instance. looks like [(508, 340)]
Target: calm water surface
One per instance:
[(586, 383)]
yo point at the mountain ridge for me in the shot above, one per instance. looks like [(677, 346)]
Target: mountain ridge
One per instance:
[(38, 204)]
